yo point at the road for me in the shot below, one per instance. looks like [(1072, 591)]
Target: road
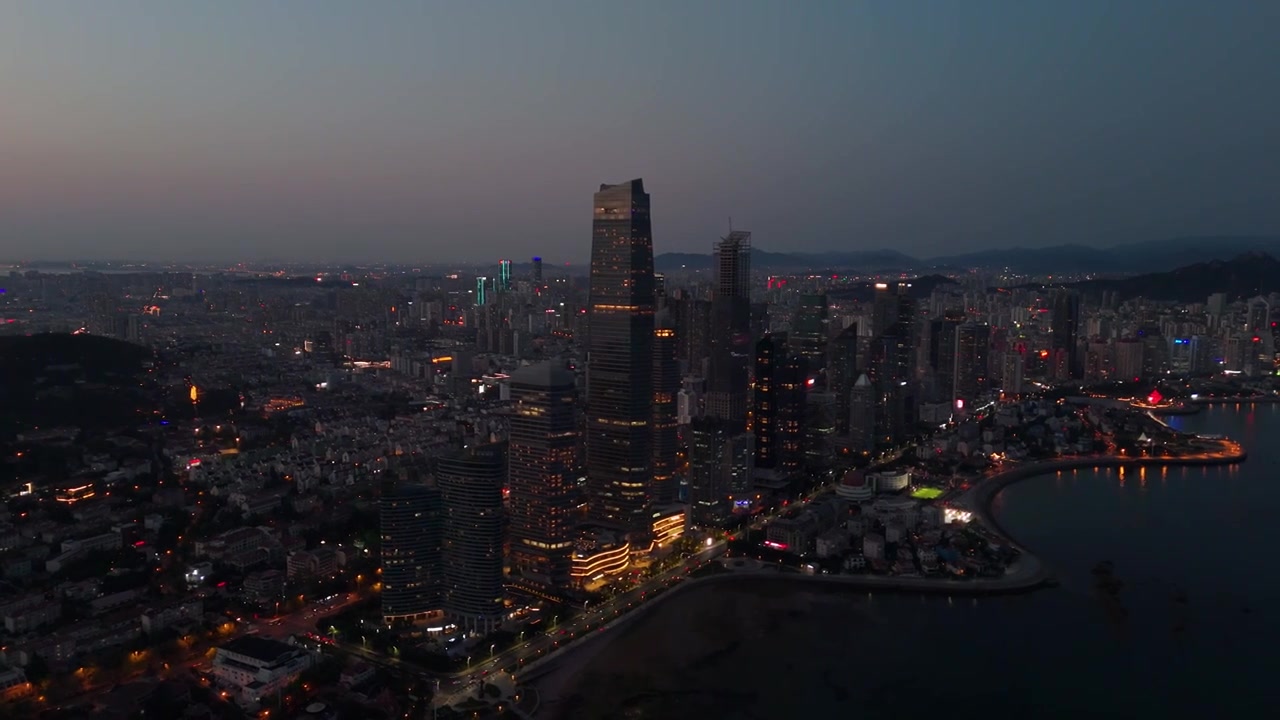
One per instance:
[(302, 622), (591, 620)]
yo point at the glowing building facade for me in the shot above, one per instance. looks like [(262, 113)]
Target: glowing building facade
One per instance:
[(619, 440)]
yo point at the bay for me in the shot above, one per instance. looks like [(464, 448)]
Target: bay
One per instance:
[(1190, 634)]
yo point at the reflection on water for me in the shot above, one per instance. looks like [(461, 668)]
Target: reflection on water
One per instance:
[(1182, 628)]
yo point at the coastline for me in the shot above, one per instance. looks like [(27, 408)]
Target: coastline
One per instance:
[(1239, 400), (554, 674), (981, 496)]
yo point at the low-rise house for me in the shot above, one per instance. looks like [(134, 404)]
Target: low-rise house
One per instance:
[(252, 668)]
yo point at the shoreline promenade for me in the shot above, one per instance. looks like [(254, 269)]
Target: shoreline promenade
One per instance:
[(550, 673)]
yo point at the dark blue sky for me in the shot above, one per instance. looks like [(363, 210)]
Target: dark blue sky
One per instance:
[(420, 130)]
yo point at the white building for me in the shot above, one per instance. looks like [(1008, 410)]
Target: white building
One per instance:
[(252, 668), (892, 481)]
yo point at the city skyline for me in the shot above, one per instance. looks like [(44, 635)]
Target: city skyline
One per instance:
[(245, 132)]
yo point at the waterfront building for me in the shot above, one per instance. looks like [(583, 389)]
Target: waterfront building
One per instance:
[(471, 486), (411, 518), (619, 438), (542, 447)]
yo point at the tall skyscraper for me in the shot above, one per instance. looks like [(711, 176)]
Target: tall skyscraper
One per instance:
[(482, 291), (721, 461), (666, 389), (542, 453), (537, 271), (809, 334), (471, 484), (862, 415), (842, 373), (504, 276), (792, 382), (943, 334), (973, 345), (729, 372), (771, 352), (891, 306), (890, 370), (1064, 344), (620, 359), (411, 518), (779, 405)]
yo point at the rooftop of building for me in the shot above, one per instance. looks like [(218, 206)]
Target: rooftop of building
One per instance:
[(258, 648)]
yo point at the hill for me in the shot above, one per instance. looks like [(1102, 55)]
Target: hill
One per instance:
[(77, 380), (1247, 275), (1154, 256)]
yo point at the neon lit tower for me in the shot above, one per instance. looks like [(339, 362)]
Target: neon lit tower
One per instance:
[(482, 284), (504, 275)]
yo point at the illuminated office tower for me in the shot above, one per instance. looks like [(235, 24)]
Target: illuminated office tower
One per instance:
[(504, 276), (542, 454), (482, 290), (620, 328), (666, 389), (779, 403), (537, 271)]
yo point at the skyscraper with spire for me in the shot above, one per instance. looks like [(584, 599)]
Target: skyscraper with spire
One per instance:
[(620, 356)]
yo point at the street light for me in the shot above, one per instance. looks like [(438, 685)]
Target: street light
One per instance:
[(491, 647)]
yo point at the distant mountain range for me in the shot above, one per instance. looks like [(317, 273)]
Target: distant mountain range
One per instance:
[(1153, 256), (1245, 276)]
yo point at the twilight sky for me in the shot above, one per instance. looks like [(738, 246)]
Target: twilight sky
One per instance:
[(413, 131)]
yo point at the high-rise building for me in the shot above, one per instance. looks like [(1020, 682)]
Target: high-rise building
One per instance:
[(504, 276), (842, 373), (728, 375), (482, 291), (862, 415), (537, 271), (792, 381), (973, 344), (891, 306), (721, 461), (411, 518), (620, 359), (1011, 373), (779, 405), (666, 431), (1065, 326), (771, 353), (471, 485), (943, 335), (809, 334), (542, 454)]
